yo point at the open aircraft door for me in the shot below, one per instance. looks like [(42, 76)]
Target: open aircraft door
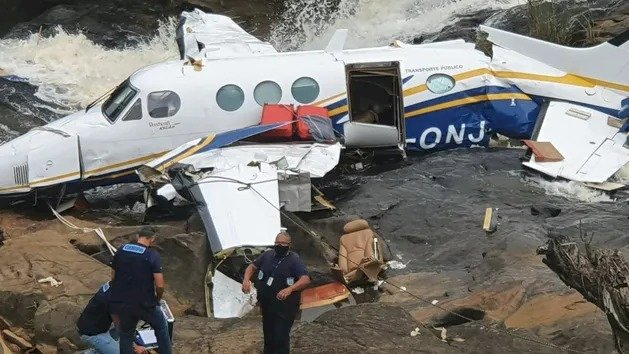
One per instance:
[(375, 104)]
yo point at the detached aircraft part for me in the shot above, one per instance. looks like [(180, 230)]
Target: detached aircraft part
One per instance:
[(214, 36), (239, 207), (593, 150)]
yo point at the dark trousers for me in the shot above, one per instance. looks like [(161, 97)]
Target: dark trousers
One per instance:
[(276, 327), (151, 315)]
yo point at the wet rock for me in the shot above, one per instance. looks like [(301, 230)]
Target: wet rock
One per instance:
[(185, 258), (46, 349), (206, 335), (57, 318), (113, 23), (17, 340), (375, 328), (580, 21), (64, 344), (546, 211), (14, 348), (4, 323)]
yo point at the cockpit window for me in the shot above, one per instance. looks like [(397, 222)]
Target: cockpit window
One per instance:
[(135, 112), (162, 104), (118, 101)]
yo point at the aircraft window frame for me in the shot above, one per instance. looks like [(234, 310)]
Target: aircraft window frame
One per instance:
[(228, 106), (443, 89), (121, 105), (136, 104), (269, 96), (311, 95), (166, 95)]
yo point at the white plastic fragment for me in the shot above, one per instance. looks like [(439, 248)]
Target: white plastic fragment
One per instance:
[(396, 265), (358, 290), (403, 288), (434, 302), (53, 282), (415, 332)]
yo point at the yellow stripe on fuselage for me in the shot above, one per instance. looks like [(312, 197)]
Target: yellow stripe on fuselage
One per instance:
[(190, 152), (467, 100), (568, 79)]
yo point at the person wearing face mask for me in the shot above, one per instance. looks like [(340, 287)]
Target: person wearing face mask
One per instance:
[(281, 277)]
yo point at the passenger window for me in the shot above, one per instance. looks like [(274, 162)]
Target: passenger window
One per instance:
[(163, 104), (440, 83), (267, 92), (230, 97), (305, 90), (135, 112)]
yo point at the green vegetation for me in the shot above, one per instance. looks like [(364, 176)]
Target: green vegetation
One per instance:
[(547, 22)]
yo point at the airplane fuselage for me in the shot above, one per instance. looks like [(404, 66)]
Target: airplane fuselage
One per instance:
[(450, 95)]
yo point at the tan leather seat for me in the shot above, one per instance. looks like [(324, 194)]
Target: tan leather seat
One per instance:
[(360, 252)]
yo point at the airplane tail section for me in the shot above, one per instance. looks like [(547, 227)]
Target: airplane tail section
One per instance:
[(605, 64)]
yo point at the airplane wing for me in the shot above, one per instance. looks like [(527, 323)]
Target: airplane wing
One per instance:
[(591, 145), (585, 62), (210, 36)]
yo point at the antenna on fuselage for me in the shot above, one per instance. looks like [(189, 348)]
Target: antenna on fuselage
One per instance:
[(337, 42)]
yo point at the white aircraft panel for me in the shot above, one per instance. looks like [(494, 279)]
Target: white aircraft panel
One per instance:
[(228, 300), (316, 159), (370, 135), (236, 216), (589, 154)]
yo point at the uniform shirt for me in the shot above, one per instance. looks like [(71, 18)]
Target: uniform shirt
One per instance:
[(285, 272), (133, 283), (95, 318)]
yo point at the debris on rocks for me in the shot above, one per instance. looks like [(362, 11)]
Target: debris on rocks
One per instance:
[(415, 332), (396, 265), (601, 276), (53, 282), (490, 223), (17, 340), (64, 344), (361, 253), (358, 290)]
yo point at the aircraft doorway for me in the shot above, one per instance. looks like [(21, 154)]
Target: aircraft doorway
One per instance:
[(375, 103)]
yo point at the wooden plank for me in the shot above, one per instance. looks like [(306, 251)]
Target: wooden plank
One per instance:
[(323, 295), (544, 151)]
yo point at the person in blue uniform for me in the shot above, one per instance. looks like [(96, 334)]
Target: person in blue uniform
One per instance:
[(94, 325), (136, 289), (281, 277)]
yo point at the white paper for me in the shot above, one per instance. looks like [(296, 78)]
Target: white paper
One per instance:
[(147, 336)]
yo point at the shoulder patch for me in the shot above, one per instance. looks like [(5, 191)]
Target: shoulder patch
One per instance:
[(129, 247), (105, 287)]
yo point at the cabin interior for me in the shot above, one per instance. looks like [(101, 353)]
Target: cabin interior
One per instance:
[(374, 95)]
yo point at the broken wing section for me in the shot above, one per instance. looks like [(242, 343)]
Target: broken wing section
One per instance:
[(590, 144), (239, 206), (215, 36)]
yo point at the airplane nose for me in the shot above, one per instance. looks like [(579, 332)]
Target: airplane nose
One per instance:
[(39, 158), (14, 166)]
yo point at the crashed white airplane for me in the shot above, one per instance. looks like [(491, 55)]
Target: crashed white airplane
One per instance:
[(417, 97)]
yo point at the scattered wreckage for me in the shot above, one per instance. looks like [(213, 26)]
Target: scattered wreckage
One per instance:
[(240, 187), (424, 97)]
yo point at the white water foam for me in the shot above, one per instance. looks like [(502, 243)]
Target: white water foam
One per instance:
[(309, 24), (570, 190), (71, 71), (622, 176)]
